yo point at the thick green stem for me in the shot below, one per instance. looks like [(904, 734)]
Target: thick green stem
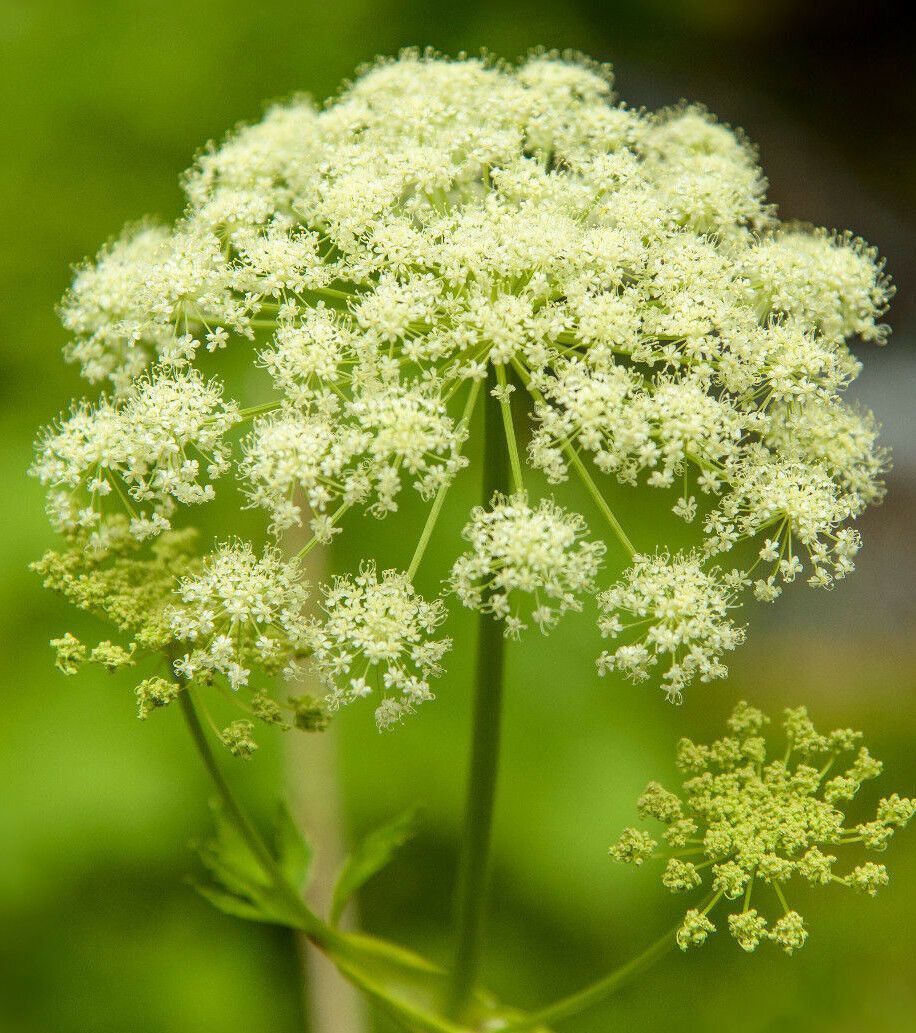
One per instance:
[(481, 791), (598, 991)]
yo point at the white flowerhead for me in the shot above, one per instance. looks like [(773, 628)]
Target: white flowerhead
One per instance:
[(525, 563), (240, 610), (157, 446), (376, 640), (671, 611), (641, 317)]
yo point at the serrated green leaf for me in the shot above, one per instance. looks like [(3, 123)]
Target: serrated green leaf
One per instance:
[(369, 857), (241, 886), (294, 853)]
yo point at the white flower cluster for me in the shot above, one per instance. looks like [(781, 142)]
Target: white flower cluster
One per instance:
[(151, 447), (797, 499), (376, 637), (342, 459), (241, 610), (442, 222), (658, 428), (525, 558), (150, 288), (679, 613)]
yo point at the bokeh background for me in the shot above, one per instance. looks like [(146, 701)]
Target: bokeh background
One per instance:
[(103, 104)]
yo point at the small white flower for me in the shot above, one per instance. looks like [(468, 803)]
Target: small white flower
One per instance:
[(217, 339), (770, 551)]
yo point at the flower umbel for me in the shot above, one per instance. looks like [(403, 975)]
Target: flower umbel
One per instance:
[(376, 640), (642, 319), (749, 824), (241, 610), (540, 554), (151, 447), (678, 611)]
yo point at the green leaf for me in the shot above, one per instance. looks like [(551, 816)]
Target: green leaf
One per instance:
[(228, 854), (411, 988), (230, 904), (369, 857), (241, 886), (228, 874), (294, 853)]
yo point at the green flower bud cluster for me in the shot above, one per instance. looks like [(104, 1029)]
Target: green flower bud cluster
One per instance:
[(126, 586), (159, 597), (238, 739), (153, 693), (742, 822)]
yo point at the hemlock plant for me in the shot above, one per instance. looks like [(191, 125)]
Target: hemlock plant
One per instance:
[(612, 289)]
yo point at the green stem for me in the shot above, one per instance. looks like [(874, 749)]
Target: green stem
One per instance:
[(481, 789), (315, 540), (430, 524), (598, 991), (505, 408), (782, 897), (255, 410), (404, 1012), (332, 292), (311, 924), (580, 468), (339, 947), (599, 499)]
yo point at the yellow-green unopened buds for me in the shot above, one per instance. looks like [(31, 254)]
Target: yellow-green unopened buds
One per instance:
[(746, 825)]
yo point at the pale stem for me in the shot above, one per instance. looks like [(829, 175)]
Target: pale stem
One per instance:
[(332, 1002), (316, 802)]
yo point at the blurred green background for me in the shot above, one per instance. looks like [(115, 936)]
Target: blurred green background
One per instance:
[(103, 104)]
